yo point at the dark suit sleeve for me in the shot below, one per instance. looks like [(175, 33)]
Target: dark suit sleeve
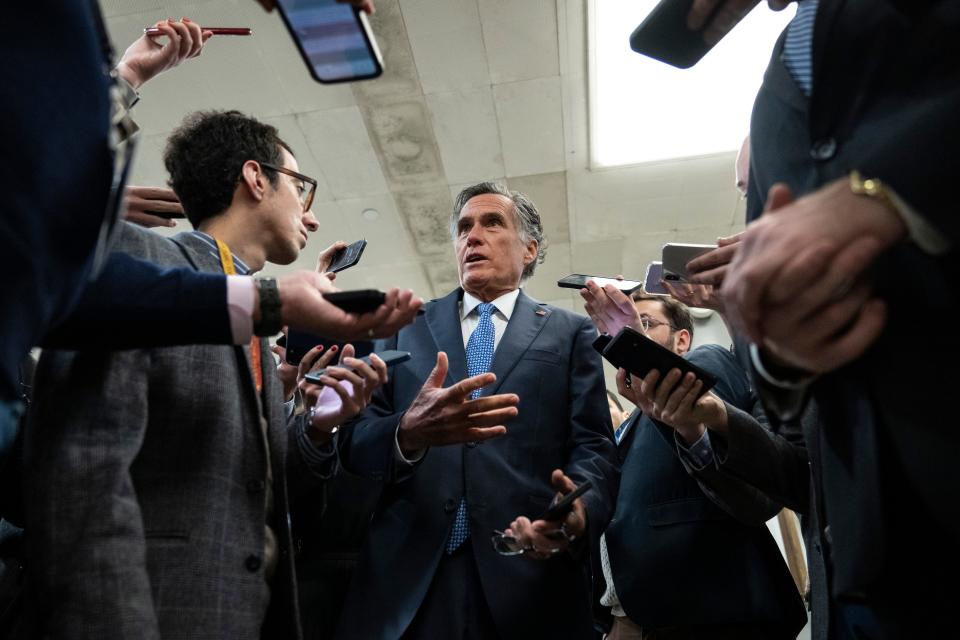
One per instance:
[(134, 303), (82, 508), (366, 446), (591, 454)]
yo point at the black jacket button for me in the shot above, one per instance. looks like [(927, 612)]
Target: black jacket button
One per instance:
[(449, 505), (253, 563)]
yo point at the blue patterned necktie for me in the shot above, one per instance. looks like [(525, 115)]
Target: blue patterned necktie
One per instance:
[(479, 357), (798, 46)]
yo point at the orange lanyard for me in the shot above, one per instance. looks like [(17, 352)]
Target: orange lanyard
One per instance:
[(226, 260)]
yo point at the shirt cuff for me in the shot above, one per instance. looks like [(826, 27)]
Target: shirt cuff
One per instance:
[(240, 297), (316, 457), (700, 453), (398, 453), (920, 231), (796, 384)]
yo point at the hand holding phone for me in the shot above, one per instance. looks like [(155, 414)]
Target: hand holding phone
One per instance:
[(389, 357), (347, 256), (638, 354), (559, 509)]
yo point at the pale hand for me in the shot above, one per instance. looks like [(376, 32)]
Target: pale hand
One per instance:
[(146, 57)]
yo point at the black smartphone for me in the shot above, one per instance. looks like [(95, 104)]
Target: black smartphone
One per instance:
[(638, 354), (390, 358), (664, 35), (600, 343), (169, 215), (333, 38), (560, 508), (357, 300), (347, 257), (579, 281), (298, 343)]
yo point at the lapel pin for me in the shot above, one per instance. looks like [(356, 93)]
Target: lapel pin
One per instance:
[(540, 312)]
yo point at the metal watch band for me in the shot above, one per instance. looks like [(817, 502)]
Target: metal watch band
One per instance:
[(271, 321)]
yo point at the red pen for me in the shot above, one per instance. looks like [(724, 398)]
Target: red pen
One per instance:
[(217, 31)]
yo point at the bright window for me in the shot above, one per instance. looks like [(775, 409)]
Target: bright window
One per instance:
[(644, 110)]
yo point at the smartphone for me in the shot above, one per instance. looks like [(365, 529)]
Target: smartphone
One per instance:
[(638, 354), (579, 281), (334, 39), (653, 280), (389, 358), (357, 300), (217, 31), (298, 343), (675, 257), (347, 257), (664, 36), (560, 508)]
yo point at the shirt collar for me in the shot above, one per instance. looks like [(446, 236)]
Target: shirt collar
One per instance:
[(239, 265), (504, 304)]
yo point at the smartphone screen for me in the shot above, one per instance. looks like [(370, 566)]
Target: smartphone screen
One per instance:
[(334, 39)]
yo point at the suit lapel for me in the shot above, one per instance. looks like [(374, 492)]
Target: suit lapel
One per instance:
[(525, 324), (202, 257), (443, 319)]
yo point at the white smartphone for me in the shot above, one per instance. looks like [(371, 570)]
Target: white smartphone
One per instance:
[(676, 256)]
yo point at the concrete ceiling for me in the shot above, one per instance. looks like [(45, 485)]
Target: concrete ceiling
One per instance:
[(473, 90)]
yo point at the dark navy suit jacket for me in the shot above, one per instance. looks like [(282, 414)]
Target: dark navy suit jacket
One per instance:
[(545, 356), (886, 93), (57, 169)]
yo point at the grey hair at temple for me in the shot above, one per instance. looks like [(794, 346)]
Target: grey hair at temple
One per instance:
[(527, 215)]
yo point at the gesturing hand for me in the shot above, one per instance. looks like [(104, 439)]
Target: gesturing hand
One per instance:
[(542, 539), (146, 57), (440, 416)]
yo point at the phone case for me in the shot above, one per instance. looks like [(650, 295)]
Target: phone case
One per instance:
[(664, 36), (348, 256), (676, 256), (563, 506), (357, 300), (390, 358), (638, 354)]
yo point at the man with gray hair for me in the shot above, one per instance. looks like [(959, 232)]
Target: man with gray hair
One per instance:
[(502, 406)]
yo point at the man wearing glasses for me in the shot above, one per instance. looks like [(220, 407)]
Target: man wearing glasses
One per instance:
[(158, 479), (674, 561)]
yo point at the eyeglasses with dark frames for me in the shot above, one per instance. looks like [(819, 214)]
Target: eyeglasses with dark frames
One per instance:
[(652, 323), (306, 192)]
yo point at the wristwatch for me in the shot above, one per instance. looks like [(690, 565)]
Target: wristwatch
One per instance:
[(271, 321)]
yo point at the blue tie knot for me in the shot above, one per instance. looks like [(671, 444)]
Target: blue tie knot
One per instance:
[(485, 309)]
